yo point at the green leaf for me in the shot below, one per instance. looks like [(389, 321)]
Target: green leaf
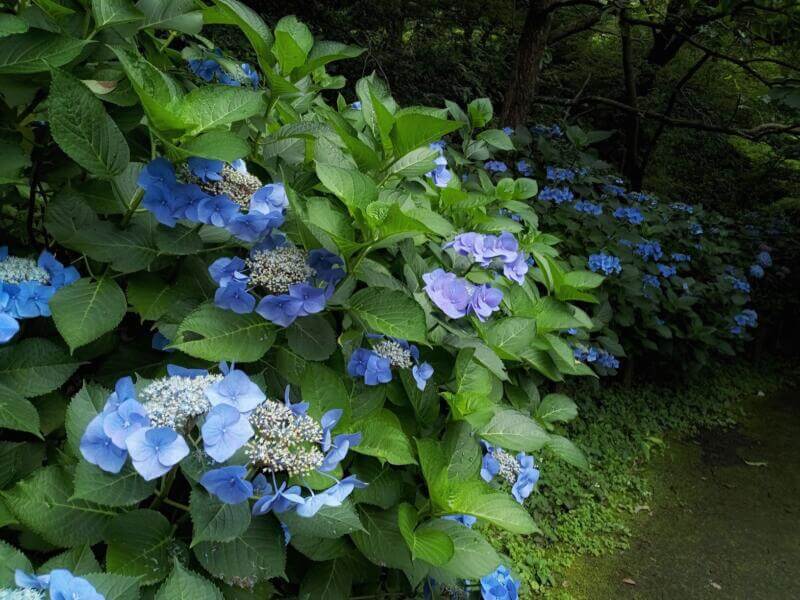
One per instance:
[(214, 521), (213, 106), (183, 584), (312, 337), (86, 309), (385, 483), (83, 129), (480, 112), (151, 297), (512, 430), (293, 42), (381, 541), (352, 187), (412, 130), (42, 502), (567, 451), (325, 52), (252, 25), (17, 413), (497, 138), (510, 337), (331, 580), (36, 51), (127, 250), (430, 545), (476, 498), (139, 545), (11, 24), (78, 561), (35, 366), (125, 488), (11, 559), (217, 145), (13, 159), (323, 389), (114, 587), (556, 407), (472, 557), (212, 333), (415, 163), (330, 522), (383, 437), (178, 15), (257, 554), (114, 12), (390, 312), (85, 405)]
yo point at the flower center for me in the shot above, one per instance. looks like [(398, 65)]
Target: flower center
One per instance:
[(398, 356), (275, 270), (18, 270), (234, 184), (173, 401)]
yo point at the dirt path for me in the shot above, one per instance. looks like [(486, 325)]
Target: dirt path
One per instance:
[(724, 521)]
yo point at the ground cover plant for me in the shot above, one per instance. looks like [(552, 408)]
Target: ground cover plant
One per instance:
[(264, 331)]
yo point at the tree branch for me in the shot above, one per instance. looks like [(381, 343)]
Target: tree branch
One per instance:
[(585, 25), (754, 133)]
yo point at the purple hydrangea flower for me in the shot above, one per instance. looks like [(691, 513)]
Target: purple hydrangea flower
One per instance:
[(451, 294)]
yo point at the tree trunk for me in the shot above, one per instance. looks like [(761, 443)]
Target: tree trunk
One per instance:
[(530, 51), (631, 165)]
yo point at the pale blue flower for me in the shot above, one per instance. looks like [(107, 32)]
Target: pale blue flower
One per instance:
[(237, 390), (225, 430), (129, 417), (499, 585), (155, 450), (229, 484), (98, 449)]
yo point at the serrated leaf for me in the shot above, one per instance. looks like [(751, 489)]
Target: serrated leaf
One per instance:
[(330, 522), (430, 545), (556, 407), (78, 561), (86, 309), (114, 12), (355, 189), (212, 333), (183, 584), (472, 557), (513, 430), (36, 51), (138, 545), (125, 488), (381, 541), (17, 413), (389, 312), (312, 337), (150, 296), (214, 521), (331, 580), (177, 15), (567, 451), (12, 24), (114, 587), (383, 437), (293, 42), (412, 130), (35, 366), (10, 560), (213, 106), (217, 145)]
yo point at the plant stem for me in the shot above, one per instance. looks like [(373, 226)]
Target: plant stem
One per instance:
[(137, 199), (175, 504)]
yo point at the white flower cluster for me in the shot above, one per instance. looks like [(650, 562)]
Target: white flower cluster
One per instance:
[(237, 185), (14, 269), (398, 356), (21, 594), (174, 401), (275, 270), (509, 467)]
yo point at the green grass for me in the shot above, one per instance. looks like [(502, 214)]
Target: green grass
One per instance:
[(619, 428)]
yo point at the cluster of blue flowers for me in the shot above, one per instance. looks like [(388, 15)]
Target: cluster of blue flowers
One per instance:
[(289, 281), (682, 207), (630, 214), (615, 189), (457, 297), (747, 318), (740, 285), (551, 131), (679, 257), (763, 261), (642, 198), (232, 414), (441, 175), (499, 585), (517, 471), (649, 250), (375, 364), (60, 584), (495, 166), (493, 250), (556, 194), (26, 286), (667, 271), (605, 263), (650, 281), (560, 175), (524, 168), (596, 355), (209, 69), (695, 228), (590, 208), (213, 193)]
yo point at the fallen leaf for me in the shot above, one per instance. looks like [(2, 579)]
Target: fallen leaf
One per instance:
[(716, 586), (755, 463), (629, 581)]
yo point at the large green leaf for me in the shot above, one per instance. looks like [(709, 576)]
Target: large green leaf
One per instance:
[(182, 584), (236, 13), (330, 522), (86, 309), (476, 498), (331, 580), (114, 587), (390, 312), (556, 407), (412, 130), (139, 545), (36, 51), (11, 559), (325, 52), (513, 430), (324, 390), (83, 129), (258, 554), (510, 337), (293, 42), (78, 561), (150, 296), (381, 541), (17, 413), (312, 337), (12, 24), (176, 15), (125, 488), (567, 451), (472, 557), (218, 145), (114, 12), (42, 502), (383, 437), (214, 106), (212, 333), (35, 366), (355, 189), (215, 521), (431, 545)]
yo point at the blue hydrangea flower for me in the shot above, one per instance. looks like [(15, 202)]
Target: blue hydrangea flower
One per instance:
[(278, 501), (526, 478), (649, 250), (441, 175), (559, 175), (61, 584), (457, 297), (466, 520), (204, 69), (756, 271), (682, 207), (155, 450), (740, 285), (695, 228), (356, 105), (98, 449), (375, 369), (589, 208), (553, 131), (606, 263), (375, 364), (291, 282), (26, 287), (678, 257), (493, 250), (629, 214), (228, 484), (519, 472), (524, 168), (236, 390), (649, 280), (509, 131), (225, 431), (642, 198), (251, 74), (333, 496), (747, 318), (764, 259), (557, 195), (614, 189), (124, 420), (667, 270), (205, 169), (499, 585), (495, 166)]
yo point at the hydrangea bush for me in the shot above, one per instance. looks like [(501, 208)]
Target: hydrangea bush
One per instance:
[(292, 351)]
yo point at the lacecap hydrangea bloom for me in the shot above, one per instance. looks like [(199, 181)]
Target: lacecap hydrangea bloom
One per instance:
[(605, 263), (764, 258), (524, 168), (233, 74), (559, 175), (495, 166), (614, 189), (649, 250), (441, 175), (747, 318), (679, 257), (650, 281), (26, 286), (457, 297), (499, 585), (682, 207), (213, 193), (375, 364), (279, 281), (556, 194), (596, 355), (589, 208), (60, 584), (553, 131), (667, 270), (756, 271), (630, 214), (517, 471), (740, 285), (500, 251)]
